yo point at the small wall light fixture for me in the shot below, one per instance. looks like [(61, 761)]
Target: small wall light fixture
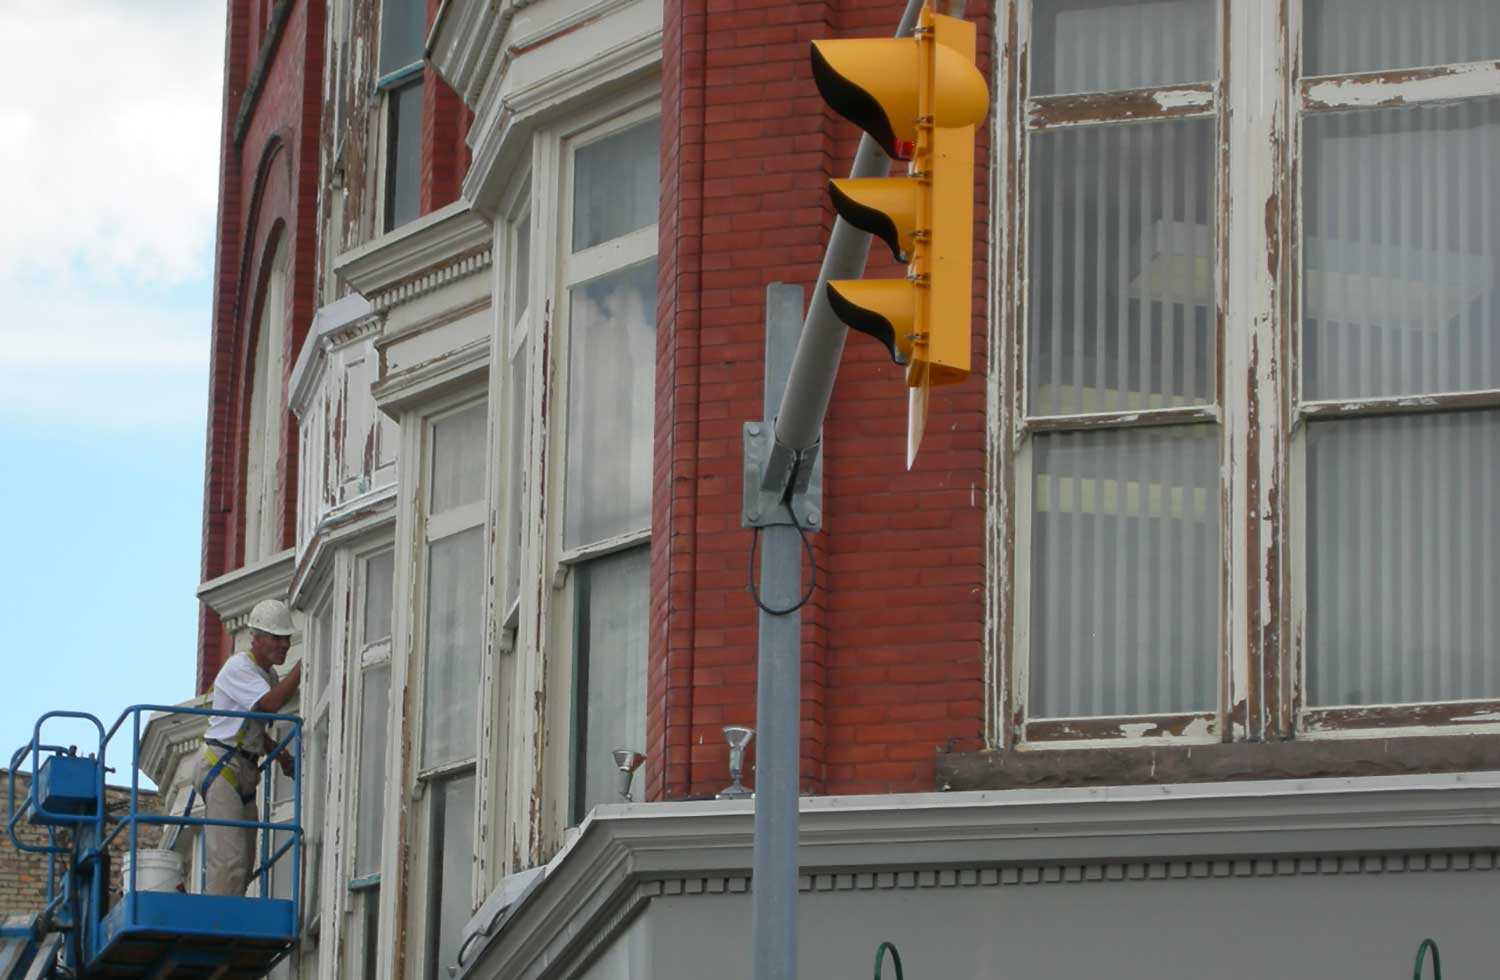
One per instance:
[(627, 761), (738, 737)]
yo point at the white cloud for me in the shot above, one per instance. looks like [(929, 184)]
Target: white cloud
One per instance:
[(109, 137), (75, 356)]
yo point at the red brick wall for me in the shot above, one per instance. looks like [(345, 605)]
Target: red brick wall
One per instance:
[(268, 192), (445, 127), (892, 641)]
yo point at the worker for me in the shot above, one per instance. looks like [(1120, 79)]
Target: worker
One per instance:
[(228, 771)]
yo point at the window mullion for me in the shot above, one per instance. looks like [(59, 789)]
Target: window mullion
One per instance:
[(1254, 130)]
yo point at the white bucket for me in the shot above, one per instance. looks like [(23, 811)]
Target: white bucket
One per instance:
[(156, 870)]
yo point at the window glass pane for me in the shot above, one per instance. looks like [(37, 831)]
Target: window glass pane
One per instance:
[(1403, 549), (1124, 572), (450, 686), (403, 32), (322, 650), (611, 399), (615, 185), (1122, 282), (515, 481), (611, 690), (1340, 36), (520, 276), (1104, 45), (403, 162), (458, 459), (374, 702), (378, 576), (372, 931), (450, 878), (1400, 254)]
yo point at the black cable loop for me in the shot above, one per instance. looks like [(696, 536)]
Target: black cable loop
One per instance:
[(811, 561)]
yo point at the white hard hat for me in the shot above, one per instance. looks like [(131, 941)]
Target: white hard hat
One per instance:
[(271, 616)]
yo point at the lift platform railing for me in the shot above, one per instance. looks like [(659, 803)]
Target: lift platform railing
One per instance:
[(94, 832)]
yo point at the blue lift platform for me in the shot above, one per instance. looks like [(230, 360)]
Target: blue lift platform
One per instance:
[(84, 930)]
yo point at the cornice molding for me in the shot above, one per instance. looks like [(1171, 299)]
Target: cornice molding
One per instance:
[(370, 514), (455, 235), (456, 368), (168, 739), (458, 267), (466, 40), (503, 127), (1323, 826), (232, 596), (331, 325)]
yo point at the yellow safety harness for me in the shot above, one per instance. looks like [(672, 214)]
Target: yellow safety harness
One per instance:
[(220, 763)]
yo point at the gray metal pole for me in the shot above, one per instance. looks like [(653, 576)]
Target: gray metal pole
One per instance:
[(778, 693), (801, 384), (816, 364)]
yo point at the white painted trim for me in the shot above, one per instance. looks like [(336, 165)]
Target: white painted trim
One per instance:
[(327, 322), (232, 595), (432, 379), (1009, 837), (504, 128), (419, 246)]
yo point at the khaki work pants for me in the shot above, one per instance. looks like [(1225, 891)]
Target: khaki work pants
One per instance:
[(227, 851)]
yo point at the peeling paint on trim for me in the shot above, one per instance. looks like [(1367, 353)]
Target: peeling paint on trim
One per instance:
[(1412, 86)]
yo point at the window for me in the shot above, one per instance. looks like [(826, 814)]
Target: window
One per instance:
[(367, 759), (1396, 426), (452, 648), (1120, 406), (403, 33), (1255, 382), (609, 286), (267, 410)]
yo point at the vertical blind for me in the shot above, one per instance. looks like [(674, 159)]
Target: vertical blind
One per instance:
[(1403, 556), (1105, 45), (1344, 36), (1121, 268), (1124, 580), (1399, 285)]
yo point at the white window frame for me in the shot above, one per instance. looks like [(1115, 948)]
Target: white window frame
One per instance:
[(387, 85), (1258, 106), (355, 894), (267, 414), (574, 269), (416, 832)]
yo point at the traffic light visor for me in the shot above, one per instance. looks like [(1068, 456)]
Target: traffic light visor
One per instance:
[(872, 83), (885, 207), (886, 309)]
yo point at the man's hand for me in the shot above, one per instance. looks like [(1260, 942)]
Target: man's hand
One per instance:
[(285, 761)]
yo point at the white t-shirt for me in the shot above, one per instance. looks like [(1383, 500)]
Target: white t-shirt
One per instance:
[(241, 683)]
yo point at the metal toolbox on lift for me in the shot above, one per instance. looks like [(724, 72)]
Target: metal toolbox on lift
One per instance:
[(65, 785)]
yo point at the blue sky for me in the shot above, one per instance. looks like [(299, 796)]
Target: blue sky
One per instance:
[(108, 182)]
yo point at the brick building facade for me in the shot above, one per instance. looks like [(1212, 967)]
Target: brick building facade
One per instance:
[(23, 876), (516, 254)]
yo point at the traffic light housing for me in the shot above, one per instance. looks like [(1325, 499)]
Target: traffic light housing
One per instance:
[(921, 99)]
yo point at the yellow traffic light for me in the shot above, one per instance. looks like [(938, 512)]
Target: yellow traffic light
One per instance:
[(921, 98)]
